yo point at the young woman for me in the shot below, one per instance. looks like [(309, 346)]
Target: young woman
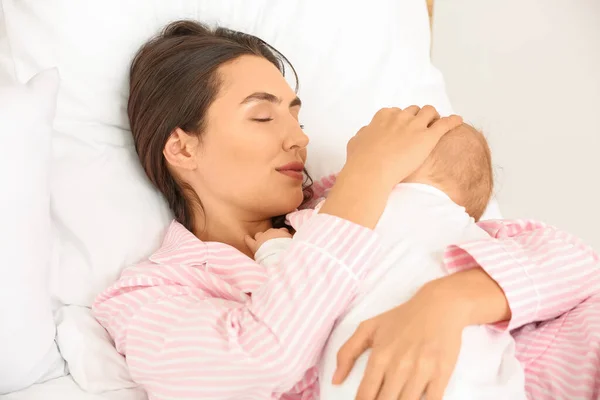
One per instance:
[(216, 128)]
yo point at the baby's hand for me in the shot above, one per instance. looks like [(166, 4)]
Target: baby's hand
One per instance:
[(261, 237)]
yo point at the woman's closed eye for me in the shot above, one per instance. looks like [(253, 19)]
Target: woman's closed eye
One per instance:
[(270, 119)]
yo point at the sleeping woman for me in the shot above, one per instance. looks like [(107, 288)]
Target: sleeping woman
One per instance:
[(217, 131)]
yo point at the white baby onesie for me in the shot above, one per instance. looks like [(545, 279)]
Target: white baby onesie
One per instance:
[(419, 222)]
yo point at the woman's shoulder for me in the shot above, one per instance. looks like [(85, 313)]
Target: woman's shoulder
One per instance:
[(183, 265), (187, 261), (180, 246)]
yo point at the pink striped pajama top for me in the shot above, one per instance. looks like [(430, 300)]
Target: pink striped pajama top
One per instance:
[(200, 320)]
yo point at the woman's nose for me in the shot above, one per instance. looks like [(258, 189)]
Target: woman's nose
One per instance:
[(296, 138)]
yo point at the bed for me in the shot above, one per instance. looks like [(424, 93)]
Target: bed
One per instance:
[(92, 152), (65, 388)]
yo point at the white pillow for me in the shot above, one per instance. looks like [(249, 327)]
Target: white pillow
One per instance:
[(27, 348), (105, 212), (92, 359)]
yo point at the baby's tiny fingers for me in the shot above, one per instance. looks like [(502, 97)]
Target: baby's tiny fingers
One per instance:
[(250, 242)]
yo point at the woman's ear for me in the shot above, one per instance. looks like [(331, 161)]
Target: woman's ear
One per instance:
[(181, 150)]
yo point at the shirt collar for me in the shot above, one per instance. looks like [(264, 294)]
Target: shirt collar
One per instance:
[(176, 238), (238, 270)]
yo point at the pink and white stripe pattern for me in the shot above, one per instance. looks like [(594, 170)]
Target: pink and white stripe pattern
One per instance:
[(552, 282), (202, 320)]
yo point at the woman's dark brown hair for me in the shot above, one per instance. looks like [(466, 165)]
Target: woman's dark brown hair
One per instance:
[(173, 82)]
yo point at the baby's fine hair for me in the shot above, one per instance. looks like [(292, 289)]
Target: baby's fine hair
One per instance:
[(461, 165)]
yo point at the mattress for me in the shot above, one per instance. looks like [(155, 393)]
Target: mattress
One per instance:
[(65, 388)]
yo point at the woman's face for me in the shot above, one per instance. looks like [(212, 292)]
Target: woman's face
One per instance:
[(252, 152)]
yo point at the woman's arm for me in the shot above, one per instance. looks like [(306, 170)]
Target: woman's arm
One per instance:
[(543, 272), (535, 273), (187, 333), (473, 294), (556, 272)]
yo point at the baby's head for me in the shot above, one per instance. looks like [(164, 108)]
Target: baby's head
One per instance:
[(461, 166)]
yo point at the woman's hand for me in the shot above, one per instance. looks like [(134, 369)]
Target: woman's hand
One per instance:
[(382, 154), (397, 142), (414, 348)]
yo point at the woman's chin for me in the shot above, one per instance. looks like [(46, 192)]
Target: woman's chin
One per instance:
[(288, 202)]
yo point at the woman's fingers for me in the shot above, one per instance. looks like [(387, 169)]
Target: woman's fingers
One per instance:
[(373, 378), (394, 381), (396, 139), (415, 348), (445, 124), (427, 115), (436, 388), (350, 351), (413, 110), (416, 384), (389, 114), (384, 114)]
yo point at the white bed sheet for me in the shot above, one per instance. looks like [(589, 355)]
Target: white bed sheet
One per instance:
[(65, 388)]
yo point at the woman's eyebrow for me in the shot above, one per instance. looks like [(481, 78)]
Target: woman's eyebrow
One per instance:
[(264, 96)]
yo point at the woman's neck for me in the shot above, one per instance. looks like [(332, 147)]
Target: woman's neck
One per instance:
[(228, 228)]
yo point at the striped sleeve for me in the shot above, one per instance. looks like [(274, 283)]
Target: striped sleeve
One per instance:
[(183, 339), (561, 357), (543, 271)]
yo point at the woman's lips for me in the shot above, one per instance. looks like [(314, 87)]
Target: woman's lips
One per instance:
[(292, 173), (293, 170)]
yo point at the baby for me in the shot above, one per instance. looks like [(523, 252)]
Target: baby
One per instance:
[(435, 207)]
